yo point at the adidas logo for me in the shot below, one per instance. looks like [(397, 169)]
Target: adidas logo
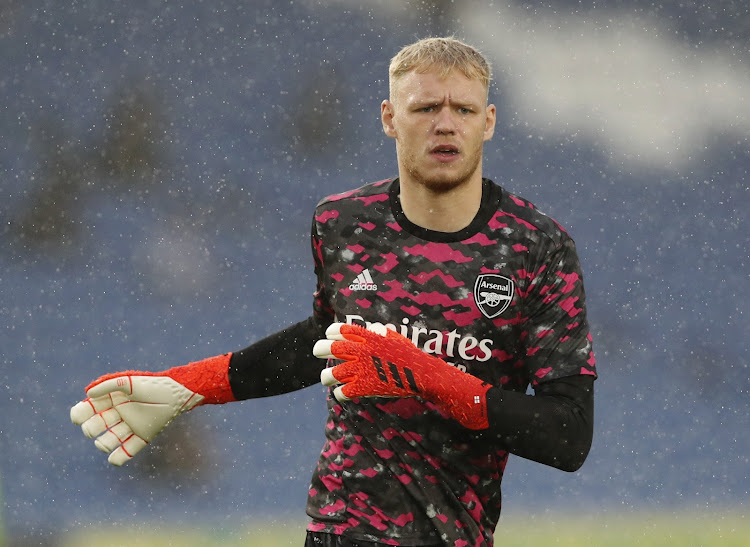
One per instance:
[(363, 282)]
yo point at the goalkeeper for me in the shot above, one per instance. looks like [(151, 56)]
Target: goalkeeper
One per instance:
[(441, 299)]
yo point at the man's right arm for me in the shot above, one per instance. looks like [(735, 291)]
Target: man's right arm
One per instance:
[(124, 411), (279, 363)]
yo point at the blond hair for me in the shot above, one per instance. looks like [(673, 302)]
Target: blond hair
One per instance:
[(444, 53)]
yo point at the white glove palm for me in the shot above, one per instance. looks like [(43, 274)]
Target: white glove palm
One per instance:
[(127, 412)]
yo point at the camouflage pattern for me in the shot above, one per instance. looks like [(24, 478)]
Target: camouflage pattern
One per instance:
[(502, 299)]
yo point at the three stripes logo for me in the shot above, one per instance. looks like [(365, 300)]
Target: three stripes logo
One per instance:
[(363, 282), (395, 374)]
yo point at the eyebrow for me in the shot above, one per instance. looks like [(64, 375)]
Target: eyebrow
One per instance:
[(431, 101)]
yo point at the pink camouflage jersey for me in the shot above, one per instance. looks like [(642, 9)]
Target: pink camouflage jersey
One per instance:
[(502, 299)]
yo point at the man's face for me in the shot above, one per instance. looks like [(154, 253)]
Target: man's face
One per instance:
[(440, 125)]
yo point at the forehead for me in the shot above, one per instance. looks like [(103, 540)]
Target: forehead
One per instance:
[(419, 85)]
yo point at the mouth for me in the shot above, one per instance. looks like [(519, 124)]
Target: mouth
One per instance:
[(445, 152)]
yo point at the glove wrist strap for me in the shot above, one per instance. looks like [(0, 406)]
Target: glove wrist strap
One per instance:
[(208, 377), (466, 401)]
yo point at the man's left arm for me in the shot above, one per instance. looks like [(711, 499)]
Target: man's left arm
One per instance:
[(554, 426)]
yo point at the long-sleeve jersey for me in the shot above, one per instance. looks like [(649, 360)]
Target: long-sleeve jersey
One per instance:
[(501, 299)]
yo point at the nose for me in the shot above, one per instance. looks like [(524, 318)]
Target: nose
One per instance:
[(444, 122)]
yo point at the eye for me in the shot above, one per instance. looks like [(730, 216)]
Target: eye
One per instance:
[(427, 109), (464, 110)]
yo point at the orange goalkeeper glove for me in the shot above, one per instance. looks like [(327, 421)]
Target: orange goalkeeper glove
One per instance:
[(391, 366), (126, 410)]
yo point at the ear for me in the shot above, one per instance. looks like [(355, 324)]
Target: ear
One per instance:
[(489, 126), (386, 116)]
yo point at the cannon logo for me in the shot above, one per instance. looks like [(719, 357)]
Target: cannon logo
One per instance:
[(493, 294)]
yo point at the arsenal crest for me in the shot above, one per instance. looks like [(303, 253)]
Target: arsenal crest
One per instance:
[(493, 294)]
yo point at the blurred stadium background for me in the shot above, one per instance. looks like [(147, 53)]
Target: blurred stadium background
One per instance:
[(159, 165)]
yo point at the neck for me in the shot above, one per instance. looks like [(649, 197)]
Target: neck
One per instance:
[(441, 211)]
